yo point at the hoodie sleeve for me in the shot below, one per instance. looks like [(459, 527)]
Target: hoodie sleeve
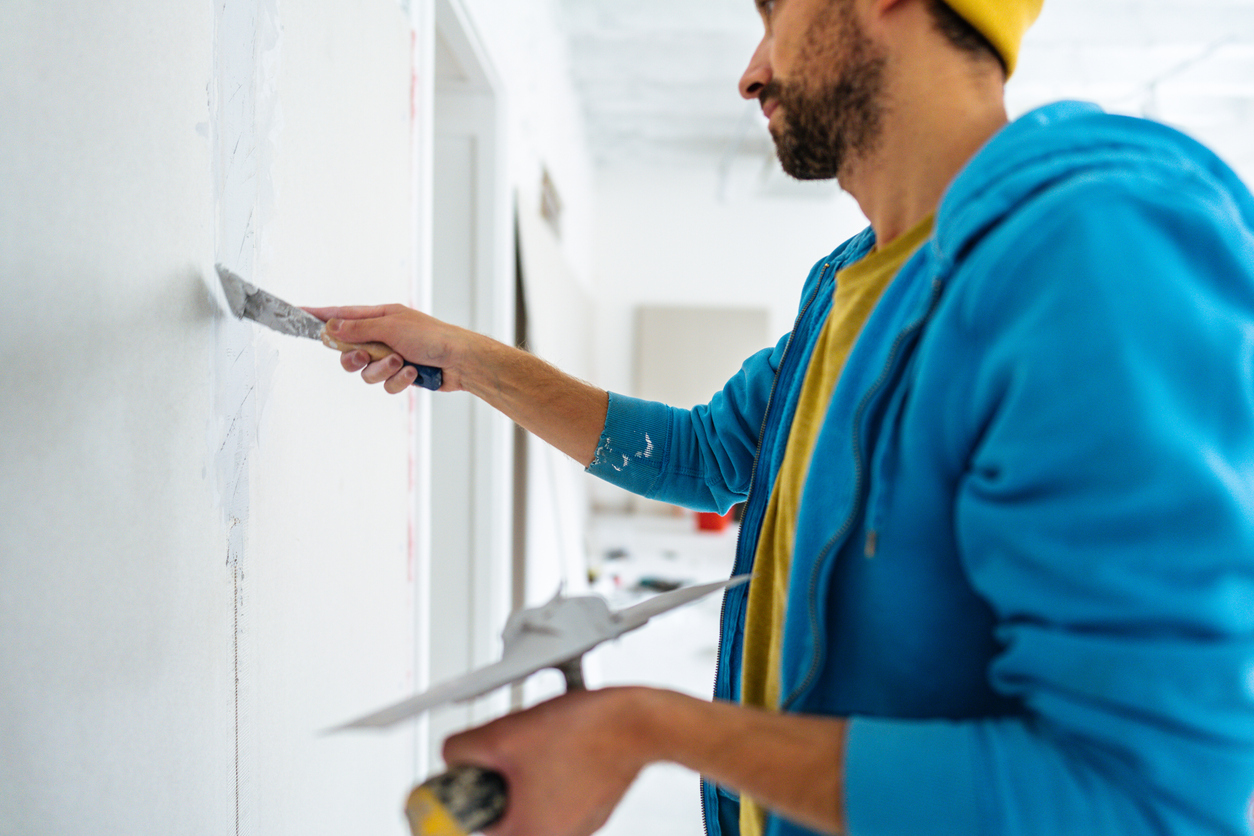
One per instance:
[(699, 458), (1106, 515)]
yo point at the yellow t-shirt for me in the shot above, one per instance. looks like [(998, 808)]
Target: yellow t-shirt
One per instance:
[(858, 288)]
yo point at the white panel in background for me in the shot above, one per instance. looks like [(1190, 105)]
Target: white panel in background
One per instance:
[(686, 354), (454, 514)]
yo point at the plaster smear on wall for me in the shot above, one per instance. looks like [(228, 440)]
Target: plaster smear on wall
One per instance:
[(246, 124)]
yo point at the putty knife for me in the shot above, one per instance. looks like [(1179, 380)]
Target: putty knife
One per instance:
[(251, 302)]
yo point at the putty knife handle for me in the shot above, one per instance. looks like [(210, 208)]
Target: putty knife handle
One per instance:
[(463, 800), (429, 377), (466, 799)]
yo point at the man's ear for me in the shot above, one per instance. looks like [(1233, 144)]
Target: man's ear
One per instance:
[(873, 10)]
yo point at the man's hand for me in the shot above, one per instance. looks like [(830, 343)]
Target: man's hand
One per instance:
[(413, 335), (567, 762), (564, 411)]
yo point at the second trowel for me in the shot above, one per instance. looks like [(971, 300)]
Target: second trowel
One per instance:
[(466, 799), (248, 301), (555, 635)]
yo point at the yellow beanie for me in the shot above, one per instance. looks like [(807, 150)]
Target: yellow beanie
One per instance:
[(1003, 22)]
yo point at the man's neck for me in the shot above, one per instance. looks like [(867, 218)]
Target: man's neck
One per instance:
[(929, 132)]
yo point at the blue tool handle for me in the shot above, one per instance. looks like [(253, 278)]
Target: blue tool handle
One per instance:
[(429, 377)]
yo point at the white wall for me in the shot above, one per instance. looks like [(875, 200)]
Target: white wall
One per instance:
[(205, 540)]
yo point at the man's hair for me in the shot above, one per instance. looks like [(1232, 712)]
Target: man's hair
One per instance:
[(962, 35)]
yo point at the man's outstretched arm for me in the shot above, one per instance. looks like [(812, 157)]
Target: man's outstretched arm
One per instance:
[(569, 761), (564, 411)]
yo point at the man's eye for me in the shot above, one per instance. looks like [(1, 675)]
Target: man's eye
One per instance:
[(765, 7)]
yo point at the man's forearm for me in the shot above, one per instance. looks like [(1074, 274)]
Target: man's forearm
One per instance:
[(789, 763), (569, 761), (562, 410)]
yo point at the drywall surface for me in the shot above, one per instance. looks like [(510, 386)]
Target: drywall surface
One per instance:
[(205, 540)]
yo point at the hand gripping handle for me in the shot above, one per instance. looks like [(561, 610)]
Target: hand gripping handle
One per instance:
[(429, 377), (466, 799)]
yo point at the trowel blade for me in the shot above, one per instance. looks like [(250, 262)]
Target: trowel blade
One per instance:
[(636, 616), (251, 302)]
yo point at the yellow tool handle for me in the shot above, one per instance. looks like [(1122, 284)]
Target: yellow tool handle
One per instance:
[(466, 799), (377, 351), (463, 800)]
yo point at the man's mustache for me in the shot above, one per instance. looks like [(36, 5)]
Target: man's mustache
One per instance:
[(770, 90)]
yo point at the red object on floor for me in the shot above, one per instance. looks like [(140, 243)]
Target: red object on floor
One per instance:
[(710, 521)]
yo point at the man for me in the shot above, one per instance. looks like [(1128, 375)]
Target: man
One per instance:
[(998, 479)]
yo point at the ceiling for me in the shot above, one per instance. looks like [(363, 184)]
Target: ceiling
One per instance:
[(658, 77)]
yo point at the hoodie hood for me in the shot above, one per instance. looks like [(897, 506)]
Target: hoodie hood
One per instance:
[(1063, 140)]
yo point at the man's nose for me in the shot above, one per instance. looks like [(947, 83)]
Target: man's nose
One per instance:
[(758, 73)]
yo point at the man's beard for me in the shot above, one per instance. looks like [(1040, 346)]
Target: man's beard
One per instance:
[(828, 122)]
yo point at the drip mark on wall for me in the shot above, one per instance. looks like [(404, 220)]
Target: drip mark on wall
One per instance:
[(235, 578), (245, 123)]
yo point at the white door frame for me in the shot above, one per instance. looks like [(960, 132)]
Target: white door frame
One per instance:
[(476, 525)]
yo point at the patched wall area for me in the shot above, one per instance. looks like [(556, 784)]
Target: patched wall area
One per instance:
[(206, 548)]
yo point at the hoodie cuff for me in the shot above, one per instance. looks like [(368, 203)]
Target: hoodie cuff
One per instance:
[(631, 450), (910, 777)]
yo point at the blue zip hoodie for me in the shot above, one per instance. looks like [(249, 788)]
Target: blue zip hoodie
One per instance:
[(1024, 564)]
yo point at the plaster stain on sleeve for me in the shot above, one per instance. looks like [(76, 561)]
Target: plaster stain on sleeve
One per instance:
[(606, 454), (602, 453), (647, 452)]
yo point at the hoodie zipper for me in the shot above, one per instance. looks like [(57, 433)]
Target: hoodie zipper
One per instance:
[(859, 472), (879, 489), (753, 472)]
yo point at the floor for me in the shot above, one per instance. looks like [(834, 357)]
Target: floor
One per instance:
[(675, 650)]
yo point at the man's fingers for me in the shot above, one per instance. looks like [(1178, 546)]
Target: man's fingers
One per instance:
[(354, 361), (381, 370), (349, 312), (391, 371), (400, 381), (473, 746), (406, 332), (357, 330)]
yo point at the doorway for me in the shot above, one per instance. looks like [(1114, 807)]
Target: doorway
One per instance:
[(471, 445)]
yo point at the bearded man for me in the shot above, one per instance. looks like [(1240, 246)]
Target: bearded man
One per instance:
[(999, 504)]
